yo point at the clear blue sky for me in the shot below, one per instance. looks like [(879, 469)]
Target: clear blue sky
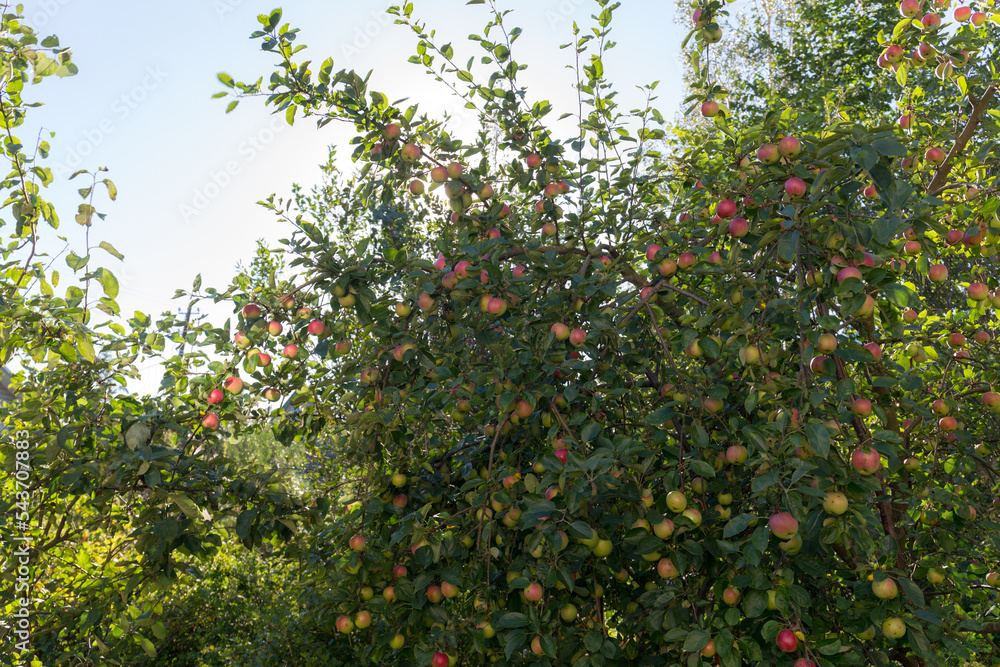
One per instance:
[(141, 106)]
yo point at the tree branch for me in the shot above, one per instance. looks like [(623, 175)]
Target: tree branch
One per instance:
[(978, 107)]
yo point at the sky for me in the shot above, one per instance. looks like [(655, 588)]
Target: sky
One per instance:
[(189, 175)]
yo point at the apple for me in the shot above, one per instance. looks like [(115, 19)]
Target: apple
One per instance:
[(216, 396), (802, 662), (992, 579), (664, 529), (210, 421), (795, 187), (357, 543), (709, 649), (790, 147), (783, 525), (934, 155), (316, 328), (910, 315), (410, 153), (885, 589), (893, 628), (848, 272), (272, 394), (736, 454), (416, 187), (978, 292), (676, 501), (347, 301), (935, 576), (948, 424), (868, 308), (396, 642), (363, 619), (425, 302), (448, 589), (577, 337), (940, 407), (389, 593), (726, 209), (666, 568), (738, 228), (534, 592), (533, 161), (875, 350), (826, 343), (710, 109), (568, 613), (991, 400), (731, 596), (787, 641), (835, 503), (549, 229), (241, 341), (692, 515), (233, 385), (937, 273), (931, 21), (768, 154), (978, 19), (251, 311), (866, 461), (963, 14), (344, 624), (439, 660), (862, 407)]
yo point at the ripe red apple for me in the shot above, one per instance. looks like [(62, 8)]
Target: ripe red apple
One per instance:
[(862, 407), (738, 228), (686, 260), (817, 364), (291, 351), (991, 400), (982, 337), (425, 302), (802, 662), (783, 525), (357, 543), (344, 624), (787, 641), (496, 306), (978, 291), (272, 394), (726, 209), (875, 350), (577, 337), (790, 147), (848, 272), (534, 592), (731, 596), (710, 109), (434, 594), (826, 343), (439, 660), (274, 328), (316, 327), (963, 14), (363, 619), (978, 19), (251, 311), (931, 21), (934, 155), (216, 396), (233, 385), (241, 340), (533, 161), (795, 187), (210, 421), (948, 424), (866, 461)]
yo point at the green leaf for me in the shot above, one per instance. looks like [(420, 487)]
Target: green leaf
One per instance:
[(912, 591), (111, 250), (764, 481), (819, 439), (737, 525), (511, 620), (695, 641), (660, 417), (186, 505), (84, 346), (108, 282)]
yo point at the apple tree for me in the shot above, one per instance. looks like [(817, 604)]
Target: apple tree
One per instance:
[(720, 395)]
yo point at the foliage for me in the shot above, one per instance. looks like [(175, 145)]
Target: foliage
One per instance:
[(485, 452)]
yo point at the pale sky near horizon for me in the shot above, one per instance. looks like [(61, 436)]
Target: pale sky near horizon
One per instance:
[(141, 106)]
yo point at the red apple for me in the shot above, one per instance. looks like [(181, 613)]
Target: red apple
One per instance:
[(216, 396), (210, 421), (738, 227), (726, 208), (866, 461), (795, 187), (783, 525), (251, 311), (233, 385), (787, 641), (790, 147), (768, 154)]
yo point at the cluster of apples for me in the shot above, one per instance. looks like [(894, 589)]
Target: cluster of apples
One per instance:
[(257, 340)]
